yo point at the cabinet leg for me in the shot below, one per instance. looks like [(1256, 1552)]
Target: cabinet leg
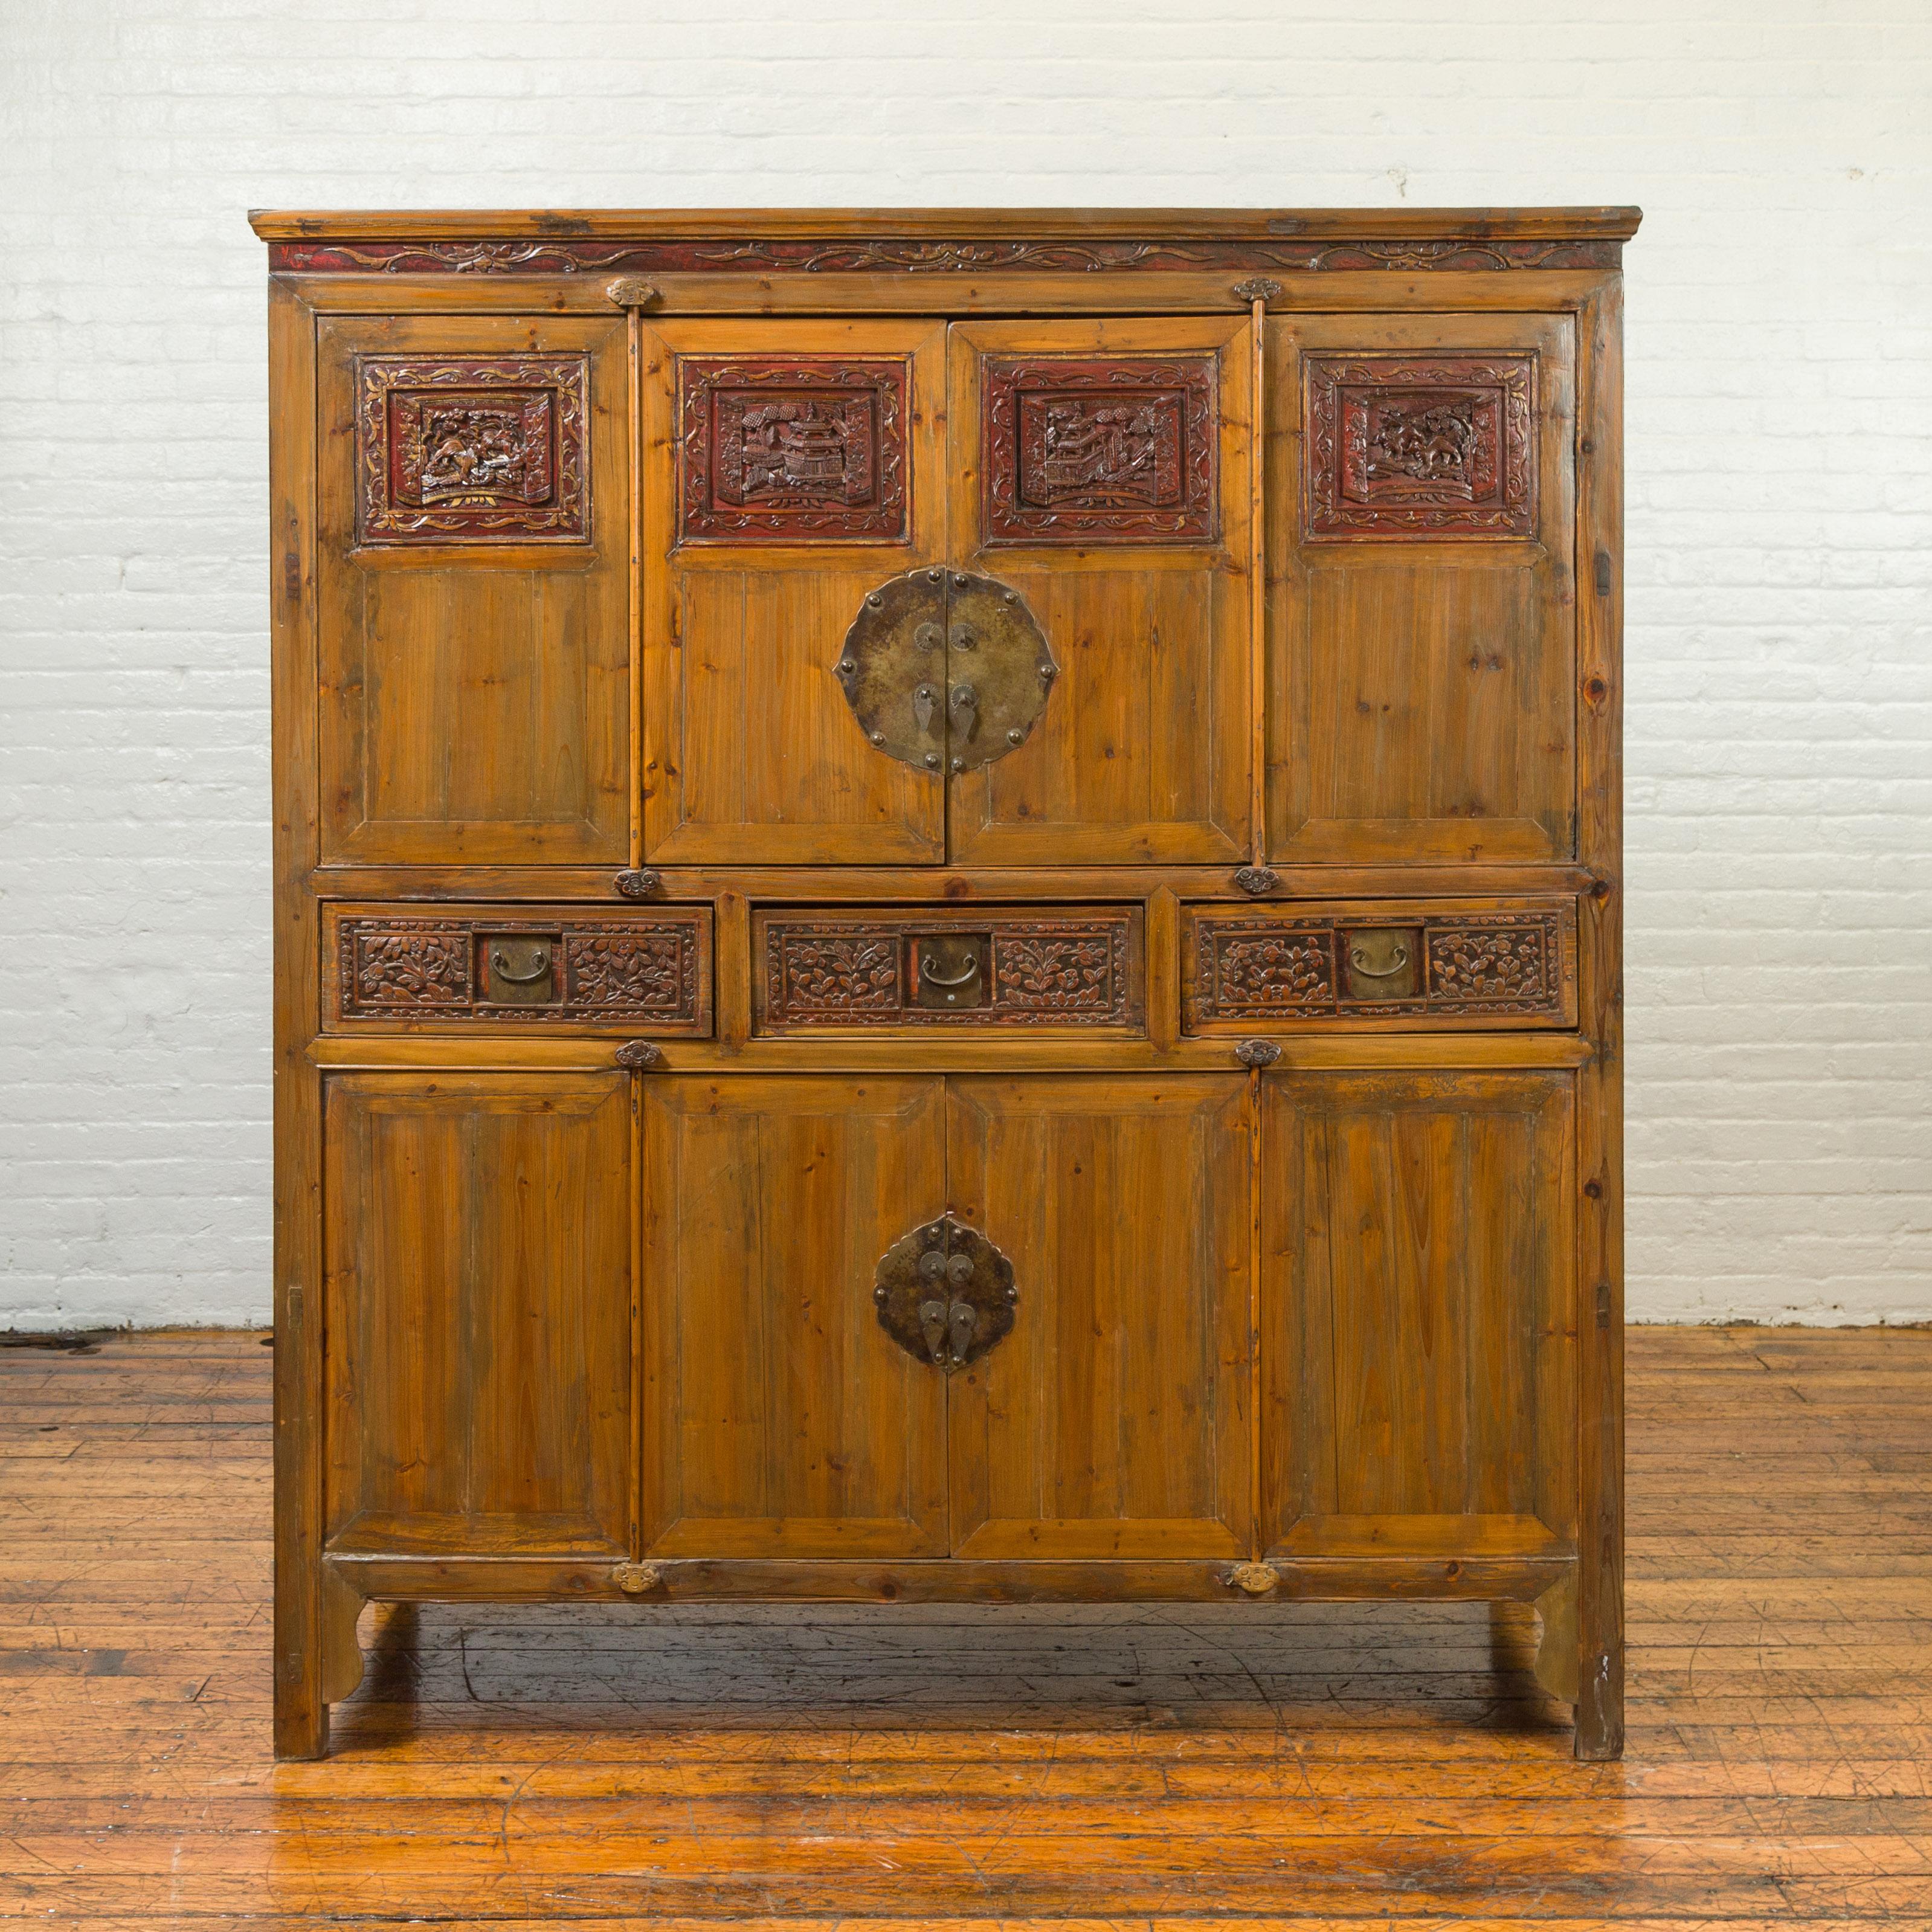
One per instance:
[(301, 1709), (1600, 1705)]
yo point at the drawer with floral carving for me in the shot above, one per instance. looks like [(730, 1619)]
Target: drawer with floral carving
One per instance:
[(816, 970), (575, 968), (1416, 965)]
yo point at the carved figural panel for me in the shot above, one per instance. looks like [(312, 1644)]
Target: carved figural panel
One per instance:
[(488, 449), (1111, 450), (1002, 969), (802, 449), (651, 973), (1420, 446), (1382, 964)]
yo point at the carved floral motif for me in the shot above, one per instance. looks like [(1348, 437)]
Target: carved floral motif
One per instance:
[(478, 449), (1042, 972), (1473, 963), (634, 972), (1111, 450), (409, 968), (793, 449), (1250, 967), (1429, 445), (652, 972), (1054, 972), (1266, 970)]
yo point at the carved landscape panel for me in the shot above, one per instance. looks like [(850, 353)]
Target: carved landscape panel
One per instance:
[(476, 449), (1100, 449), (799, 449), (1420, 446)]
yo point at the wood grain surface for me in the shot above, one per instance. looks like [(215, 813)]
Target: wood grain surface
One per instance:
[(1284, 1765)]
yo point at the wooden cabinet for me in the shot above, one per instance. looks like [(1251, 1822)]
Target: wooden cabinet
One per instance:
[(947, 914)]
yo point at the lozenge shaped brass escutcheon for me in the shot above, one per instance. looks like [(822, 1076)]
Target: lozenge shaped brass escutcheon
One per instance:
[(945, 1294), (944, 670)]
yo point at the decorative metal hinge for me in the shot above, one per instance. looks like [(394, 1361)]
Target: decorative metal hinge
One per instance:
[(634, 1578), (1256, 880), (1257, 288), (630, 291), (946, 671), (1257, 1578), (945, 1294), (1257, 1053), (639, 884), (638, 1054)]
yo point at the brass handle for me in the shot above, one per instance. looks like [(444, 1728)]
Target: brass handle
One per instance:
[(933, 979), (1356, 956), (500, 965), (963, 1319), (965, 700), (932, 1326)]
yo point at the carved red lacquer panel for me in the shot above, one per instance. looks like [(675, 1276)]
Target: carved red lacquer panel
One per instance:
[(473, 450), (798, 449), (1420, 446), (1112, 450)]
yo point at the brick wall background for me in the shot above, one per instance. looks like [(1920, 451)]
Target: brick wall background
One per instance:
[(1779, 401)]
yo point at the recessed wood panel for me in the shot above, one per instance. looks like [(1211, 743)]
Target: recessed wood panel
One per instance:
[(1421, 657), (1418, 1333), (780, 1419), (478, 1249), (1113, 1421), (1141, 752), (762, 551), (474, 642)]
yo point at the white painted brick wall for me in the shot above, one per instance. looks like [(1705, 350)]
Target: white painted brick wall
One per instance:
[(1781, 399)]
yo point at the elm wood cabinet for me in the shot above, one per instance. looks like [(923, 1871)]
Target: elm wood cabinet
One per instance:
[(948, 913)]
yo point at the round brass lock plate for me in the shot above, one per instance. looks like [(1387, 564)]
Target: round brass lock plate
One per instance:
[(945, 1294), (946, 671)]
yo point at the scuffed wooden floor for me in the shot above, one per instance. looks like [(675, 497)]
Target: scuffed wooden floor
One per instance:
[(1292, 1765)]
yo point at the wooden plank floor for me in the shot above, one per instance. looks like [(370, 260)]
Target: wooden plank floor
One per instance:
[(1293, 1766)]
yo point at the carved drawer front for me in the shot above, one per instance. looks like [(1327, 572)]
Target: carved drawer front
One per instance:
[(1418, 965), (1014, 966), (574, 968)]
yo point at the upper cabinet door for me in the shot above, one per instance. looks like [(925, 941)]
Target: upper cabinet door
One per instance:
[(1100, 470), (1420, 506), (789, 471), (472, 508)]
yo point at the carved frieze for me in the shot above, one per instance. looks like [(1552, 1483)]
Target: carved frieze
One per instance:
[(886, 255), (624, 970), (1420, 446), (490, 449), (1389, 963), (1110, 450), (1003, 969), (797, 449)]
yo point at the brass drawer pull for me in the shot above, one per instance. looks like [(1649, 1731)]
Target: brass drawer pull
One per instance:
[(934, 978), (1358, 964), (500, 965)]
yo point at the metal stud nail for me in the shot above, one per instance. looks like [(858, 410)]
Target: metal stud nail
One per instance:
[(932, 759), (846, 667), (1015, 736), (878, 737)]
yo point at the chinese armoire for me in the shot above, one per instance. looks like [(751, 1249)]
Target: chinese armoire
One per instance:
[(947, 913)]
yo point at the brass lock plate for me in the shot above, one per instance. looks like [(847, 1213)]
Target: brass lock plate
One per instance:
[(517, 969), (944, 670), (949, 972), (1382, 962), (945, 1294)]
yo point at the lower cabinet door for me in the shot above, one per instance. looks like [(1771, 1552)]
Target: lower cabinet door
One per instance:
[(477, 1243), (1113, 1419), (780, 1419), (1418, 1333)]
